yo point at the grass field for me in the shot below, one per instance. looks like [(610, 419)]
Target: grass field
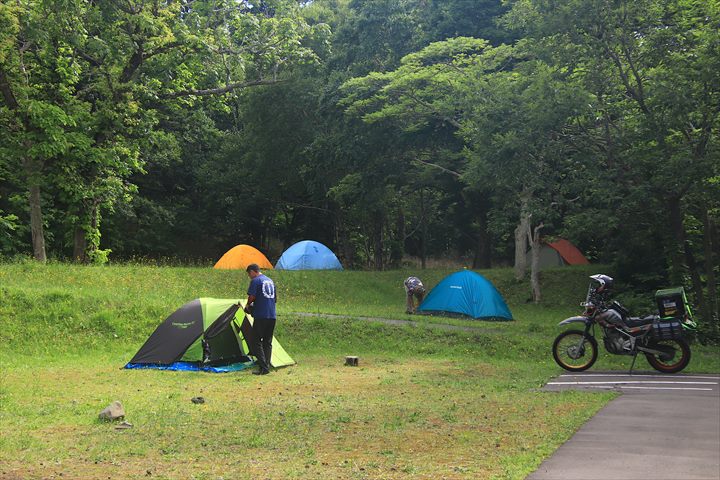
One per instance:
[(424, 403)]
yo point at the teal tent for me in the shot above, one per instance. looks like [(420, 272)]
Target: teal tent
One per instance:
[(466, 293)]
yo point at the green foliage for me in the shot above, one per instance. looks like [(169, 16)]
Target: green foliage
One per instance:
[(8, 225), (424, 87), (90, 81)]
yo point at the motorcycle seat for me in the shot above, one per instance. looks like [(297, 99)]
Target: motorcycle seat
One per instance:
[(640, 321)]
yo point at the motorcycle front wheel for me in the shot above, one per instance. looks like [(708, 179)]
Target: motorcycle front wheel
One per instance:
[(575, 352), (675, 359)]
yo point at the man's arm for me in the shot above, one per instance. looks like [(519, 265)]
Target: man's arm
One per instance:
[(250, 300)]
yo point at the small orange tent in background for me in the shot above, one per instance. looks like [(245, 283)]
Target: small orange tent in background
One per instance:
[(569, 252), (240, 256), (558, 253)]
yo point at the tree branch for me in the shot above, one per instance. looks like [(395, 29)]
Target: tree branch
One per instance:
[(534, 235), (634, 93), (309, 207), (220, 90), (638, 79), (446, 170), (161, 49), (135, 61), (433, 111), (25, 46), (87, 57)]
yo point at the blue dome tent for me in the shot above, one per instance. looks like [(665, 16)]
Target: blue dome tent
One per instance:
[(466, 293), (308, 255)]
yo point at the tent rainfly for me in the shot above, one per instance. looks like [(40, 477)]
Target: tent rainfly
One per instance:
[(558, 253), (205, 334), (308, 255), (240, 256), (466, 293)]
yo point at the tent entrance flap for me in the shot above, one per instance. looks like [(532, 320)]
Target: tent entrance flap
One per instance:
[(224, 347)]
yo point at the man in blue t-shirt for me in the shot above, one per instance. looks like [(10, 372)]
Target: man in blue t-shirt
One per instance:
[(261, 305)]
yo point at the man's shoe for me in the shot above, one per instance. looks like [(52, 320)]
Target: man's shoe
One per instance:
[(260, 372)]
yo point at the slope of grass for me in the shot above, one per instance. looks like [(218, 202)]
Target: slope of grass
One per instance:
[(131, 300), (423, 404)]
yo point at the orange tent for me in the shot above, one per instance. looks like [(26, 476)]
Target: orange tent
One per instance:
[(240, 256), (569, 252), (558, 253)]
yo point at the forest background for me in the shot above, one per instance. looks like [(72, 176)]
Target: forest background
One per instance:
[(394, 131)]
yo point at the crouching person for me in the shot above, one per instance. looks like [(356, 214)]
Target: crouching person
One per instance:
[(414, 289)]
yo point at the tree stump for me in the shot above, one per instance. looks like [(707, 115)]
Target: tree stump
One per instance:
[(351, 361)]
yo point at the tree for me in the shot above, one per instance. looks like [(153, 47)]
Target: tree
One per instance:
[(652, 68), (516, 130), (85, 86), (420, 98), (509, 109)]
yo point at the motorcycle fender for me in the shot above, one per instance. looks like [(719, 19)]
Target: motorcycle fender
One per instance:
[(577, 319)]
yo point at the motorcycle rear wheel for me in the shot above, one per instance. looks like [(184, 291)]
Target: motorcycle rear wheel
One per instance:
[(575, 352), (677, 363)]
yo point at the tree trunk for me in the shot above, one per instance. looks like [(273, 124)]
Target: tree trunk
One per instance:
[(347, 252), (697, 283), (79, 245), (534, 239), (397, 251), (709, 238), (93, 243), (36, 222), (521, 240), (33, 169), (335, 231), (378, 242), (482, 246), (683, 258), (423, 231), (677, 259), (86, 238)]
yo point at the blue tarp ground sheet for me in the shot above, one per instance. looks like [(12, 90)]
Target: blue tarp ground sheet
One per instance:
[(193, 367)]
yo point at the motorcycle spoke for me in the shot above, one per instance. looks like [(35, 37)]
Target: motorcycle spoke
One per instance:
[(669, 363), (574, 351)]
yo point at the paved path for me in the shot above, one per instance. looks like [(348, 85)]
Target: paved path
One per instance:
[(663, 427)]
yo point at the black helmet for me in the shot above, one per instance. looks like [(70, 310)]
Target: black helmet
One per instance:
[(605, 283)]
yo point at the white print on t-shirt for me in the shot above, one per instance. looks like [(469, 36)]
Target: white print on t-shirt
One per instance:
[(268, 289)]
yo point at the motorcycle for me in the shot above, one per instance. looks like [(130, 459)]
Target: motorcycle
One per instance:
[(660, 339)]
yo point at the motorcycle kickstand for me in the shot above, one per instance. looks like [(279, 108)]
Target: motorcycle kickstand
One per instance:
[(632, 364)]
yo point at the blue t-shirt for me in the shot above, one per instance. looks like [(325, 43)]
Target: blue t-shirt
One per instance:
[(264, 290)]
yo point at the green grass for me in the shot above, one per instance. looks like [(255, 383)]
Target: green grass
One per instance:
[(425, 403)]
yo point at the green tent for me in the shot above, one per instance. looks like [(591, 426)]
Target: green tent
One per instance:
[(206, 332)]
